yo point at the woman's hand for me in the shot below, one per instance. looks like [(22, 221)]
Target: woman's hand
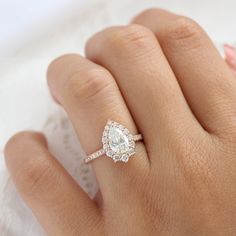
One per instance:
[(163, 77)]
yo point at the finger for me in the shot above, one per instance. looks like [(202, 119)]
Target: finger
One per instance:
[(230, 57), (204, 77), (146, 80), (58, 202), (90, 96)]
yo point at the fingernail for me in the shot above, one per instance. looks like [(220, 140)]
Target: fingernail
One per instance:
[(230, 56)]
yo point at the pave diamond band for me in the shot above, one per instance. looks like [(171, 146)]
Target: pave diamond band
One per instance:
[(101, 152), (118, 143)]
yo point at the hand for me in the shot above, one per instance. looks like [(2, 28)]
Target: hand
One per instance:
[(160, 76)]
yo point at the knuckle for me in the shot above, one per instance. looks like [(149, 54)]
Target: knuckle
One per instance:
[(184, 32), (35, 176), (92, 85), (131, 35)]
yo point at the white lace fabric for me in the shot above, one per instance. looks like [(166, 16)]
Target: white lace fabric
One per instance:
[(26, 104)]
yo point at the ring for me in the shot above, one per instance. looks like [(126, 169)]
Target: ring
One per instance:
[(118, 143)]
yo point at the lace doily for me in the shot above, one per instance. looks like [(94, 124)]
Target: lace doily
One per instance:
[(64, 144)]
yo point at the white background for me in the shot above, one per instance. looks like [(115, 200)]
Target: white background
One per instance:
[(19, 17)]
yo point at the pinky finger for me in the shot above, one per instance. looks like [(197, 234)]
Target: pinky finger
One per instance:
[(59, 204), (230, 57)]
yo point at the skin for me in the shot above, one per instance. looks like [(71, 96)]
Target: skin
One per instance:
[(161, 76)]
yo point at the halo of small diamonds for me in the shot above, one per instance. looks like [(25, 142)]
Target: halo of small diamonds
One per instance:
[(118, 142)]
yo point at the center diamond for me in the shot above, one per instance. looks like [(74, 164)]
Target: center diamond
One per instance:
[(118, 141)]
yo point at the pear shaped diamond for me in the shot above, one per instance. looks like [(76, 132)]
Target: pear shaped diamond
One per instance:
[(117, 142)]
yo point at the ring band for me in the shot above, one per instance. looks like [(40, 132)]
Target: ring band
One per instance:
[(118, 143)]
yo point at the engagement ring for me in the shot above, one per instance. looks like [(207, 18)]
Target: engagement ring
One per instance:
[(118, 143)]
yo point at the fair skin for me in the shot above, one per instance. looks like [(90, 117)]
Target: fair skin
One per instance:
[(161, 76)]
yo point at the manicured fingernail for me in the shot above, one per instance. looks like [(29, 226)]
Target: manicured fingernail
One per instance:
[(230, 56)]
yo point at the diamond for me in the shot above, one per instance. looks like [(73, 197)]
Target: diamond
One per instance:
[(118, 141), (109, 153), (125, 157), (126, 131), (130, 137), (104, 139), (121, 127), (116, 158), (132, 144)]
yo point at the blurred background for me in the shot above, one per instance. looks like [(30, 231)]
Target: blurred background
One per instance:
[(32, 33), (20, 18)]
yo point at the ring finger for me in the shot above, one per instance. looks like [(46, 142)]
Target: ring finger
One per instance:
[(90, 95)]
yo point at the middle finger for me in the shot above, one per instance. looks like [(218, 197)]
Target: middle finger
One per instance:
[(146, 80)]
